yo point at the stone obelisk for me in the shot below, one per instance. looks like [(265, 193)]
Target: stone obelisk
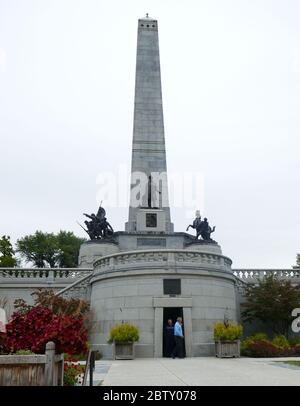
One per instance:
[(152, 213), (149, 273)]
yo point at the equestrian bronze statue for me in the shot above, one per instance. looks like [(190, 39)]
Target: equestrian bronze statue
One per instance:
[(202, 228)]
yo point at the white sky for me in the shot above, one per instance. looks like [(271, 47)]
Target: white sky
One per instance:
[(231, 81)]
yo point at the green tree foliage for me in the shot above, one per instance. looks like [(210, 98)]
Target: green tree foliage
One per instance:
[(50, 250), (298, 260), (40, 248), (7, 258), (272, 301), (69, 246)]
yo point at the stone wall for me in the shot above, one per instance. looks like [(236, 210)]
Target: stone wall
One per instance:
[(19, 283), (129, 287)]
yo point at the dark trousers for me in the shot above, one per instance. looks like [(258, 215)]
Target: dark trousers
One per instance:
[(178, 351), (169, 345)]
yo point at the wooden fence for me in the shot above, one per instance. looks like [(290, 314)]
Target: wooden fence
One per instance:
[(32, 370)]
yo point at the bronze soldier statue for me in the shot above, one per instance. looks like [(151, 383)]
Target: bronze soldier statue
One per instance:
[(202, 228), (206, 230), (92, 226), (98, 227)]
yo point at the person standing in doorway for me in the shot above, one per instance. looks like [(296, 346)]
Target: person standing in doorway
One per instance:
[(178, 336), (169, 338)]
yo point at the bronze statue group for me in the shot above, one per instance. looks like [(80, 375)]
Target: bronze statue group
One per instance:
[(98, 227), (202, 228)]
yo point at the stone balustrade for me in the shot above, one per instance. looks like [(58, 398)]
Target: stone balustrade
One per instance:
[(74, 282), (46, 274), (80, 289), (160, 258), (252, 275), (120, 259)]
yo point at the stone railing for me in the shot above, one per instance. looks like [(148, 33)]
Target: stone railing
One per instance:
[(43, 274), (75, 282), (22, 282), (76, 274), (252, 275), (160, 258), (80, 289)]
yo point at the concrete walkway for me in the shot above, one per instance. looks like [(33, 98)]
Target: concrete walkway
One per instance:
[(199, 371)]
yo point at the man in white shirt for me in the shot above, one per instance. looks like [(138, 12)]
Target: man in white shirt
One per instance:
[(178, 336)]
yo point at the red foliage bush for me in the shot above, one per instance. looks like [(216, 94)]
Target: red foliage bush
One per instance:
[(39, 325), (263, 348), (297, 349), (2, 343)]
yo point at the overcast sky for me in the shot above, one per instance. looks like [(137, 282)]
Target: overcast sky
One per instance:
[(231, 93)]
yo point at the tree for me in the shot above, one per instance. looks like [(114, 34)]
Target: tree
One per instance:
[(272, 302), (39, 248), (48, 249), (7, 258), (69, 246), (298, 260)]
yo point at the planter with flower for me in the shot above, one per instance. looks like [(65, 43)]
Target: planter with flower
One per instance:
[(227, 339), (123, 337)]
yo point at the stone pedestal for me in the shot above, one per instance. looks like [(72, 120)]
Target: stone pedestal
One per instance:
[(90, 251)]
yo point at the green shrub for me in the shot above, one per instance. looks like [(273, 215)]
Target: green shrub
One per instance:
[(71, 371), (251, 339), (294, 341), (124, 333), (230, 332), (24, 352), (281, 341), (258, 336)]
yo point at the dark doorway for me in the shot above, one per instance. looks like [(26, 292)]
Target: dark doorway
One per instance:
[(171, 313)]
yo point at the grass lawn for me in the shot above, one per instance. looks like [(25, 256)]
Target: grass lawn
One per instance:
[(295, 363)]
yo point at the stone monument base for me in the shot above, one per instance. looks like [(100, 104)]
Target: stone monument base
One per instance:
[(146, 286)]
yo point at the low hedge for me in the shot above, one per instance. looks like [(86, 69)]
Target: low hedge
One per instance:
[(259, 345), (297, 349)]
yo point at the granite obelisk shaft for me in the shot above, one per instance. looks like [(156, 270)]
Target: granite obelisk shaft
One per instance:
[(148, 147)]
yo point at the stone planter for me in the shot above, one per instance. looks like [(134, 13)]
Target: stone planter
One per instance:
[(227, 349), (124, 350)]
